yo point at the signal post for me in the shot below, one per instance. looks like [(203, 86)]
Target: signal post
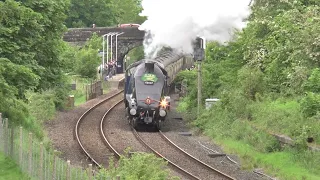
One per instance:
[(199, 56)]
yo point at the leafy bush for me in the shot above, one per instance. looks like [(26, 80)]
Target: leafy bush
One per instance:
[(142, 166), (87, 63), (310, 104), (44, 100), (313, 82), (251, 82)]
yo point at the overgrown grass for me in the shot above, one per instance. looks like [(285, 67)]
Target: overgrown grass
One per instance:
[(9, 170), (283, 164), (80, 92), (284, 116), (80, 100)]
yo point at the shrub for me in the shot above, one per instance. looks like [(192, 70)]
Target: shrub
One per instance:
[(313, 82), (142, 166), (310, 104), (44, 100)]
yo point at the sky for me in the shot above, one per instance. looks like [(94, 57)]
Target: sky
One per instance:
[(176, 23)]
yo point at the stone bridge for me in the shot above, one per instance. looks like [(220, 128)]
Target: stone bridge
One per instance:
[(132, 37)]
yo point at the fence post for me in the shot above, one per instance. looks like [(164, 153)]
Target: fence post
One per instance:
[(90, 172), (21, 144), (11, 142), (30, 153), (5, 136), (86, 93), (68, 170), (54, 165), (1, 132), (118, 177), (41, 161)]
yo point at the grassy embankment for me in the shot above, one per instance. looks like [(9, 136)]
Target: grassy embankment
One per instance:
[(258, 149), (9, 170)]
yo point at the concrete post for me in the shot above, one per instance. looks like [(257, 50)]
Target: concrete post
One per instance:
[(68, 170), (30, 153), (41, 161), (6, 129), (21, 145), (54, 165), (11, 142), (90, 172)]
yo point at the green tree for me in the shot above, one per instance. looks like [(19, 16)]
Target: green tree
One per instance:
[(48, 47), (128, 11), (84, 13), (14, 80), (30, 43)]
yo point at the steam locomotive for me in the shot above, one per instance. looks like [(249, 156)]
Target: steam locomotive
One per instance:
[(147, 85)]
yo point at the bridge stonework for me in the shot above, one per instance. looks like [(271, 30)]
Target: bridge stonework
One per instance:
[(131, 38)]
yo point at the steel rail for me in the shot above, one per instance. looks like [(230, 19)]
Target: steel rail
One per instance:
[(80, 120), (160, 155), (106, 141), (194, 158)]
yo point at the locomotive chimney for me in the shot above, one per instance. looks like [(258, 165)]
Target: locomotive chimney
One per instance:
[(149, 66)]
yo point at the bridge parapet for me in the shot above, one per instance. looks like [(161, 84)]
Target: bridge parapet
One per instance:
[(83, 34)]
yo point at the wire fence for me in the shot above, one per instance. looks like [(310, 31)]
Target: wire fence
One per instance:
[(37, 161)]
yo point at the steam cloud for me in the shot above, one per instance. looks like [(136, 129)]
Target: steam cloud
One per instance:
[(176, 23)]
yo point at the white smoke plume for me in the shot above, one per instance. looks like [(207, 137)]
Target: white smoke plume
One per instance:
[(176, 23)]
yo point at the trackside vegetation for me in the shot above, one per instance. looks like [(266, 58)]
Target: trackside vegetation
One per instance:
[(267, 80), (9, 170), (37, 69), (134, 166)]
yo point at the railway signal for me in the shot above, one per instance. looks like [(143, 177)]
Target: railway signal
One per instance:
[(199, 47)]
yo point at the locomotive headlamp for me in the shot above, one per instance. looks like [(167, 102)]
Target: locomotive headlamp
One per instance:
[(148, 101), (133, 111), (162, 113), (163, 103)]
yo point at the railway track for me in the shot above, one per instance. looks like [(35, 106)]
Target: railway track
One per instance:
[(93, 140), (87, 132), (178, 158), (187, 165)]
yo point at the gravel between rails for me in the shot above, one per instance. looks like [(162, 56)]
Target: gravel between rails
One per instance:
[(60, 131), (89, 132), (119, 134)]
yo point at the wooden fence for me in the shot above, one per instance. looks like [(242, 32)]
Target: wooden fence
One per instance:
[(36, 160), (93, 90)]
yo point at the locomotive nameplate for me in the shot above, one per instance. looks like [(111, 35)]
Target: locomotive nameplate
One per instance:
[(149, 79)]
